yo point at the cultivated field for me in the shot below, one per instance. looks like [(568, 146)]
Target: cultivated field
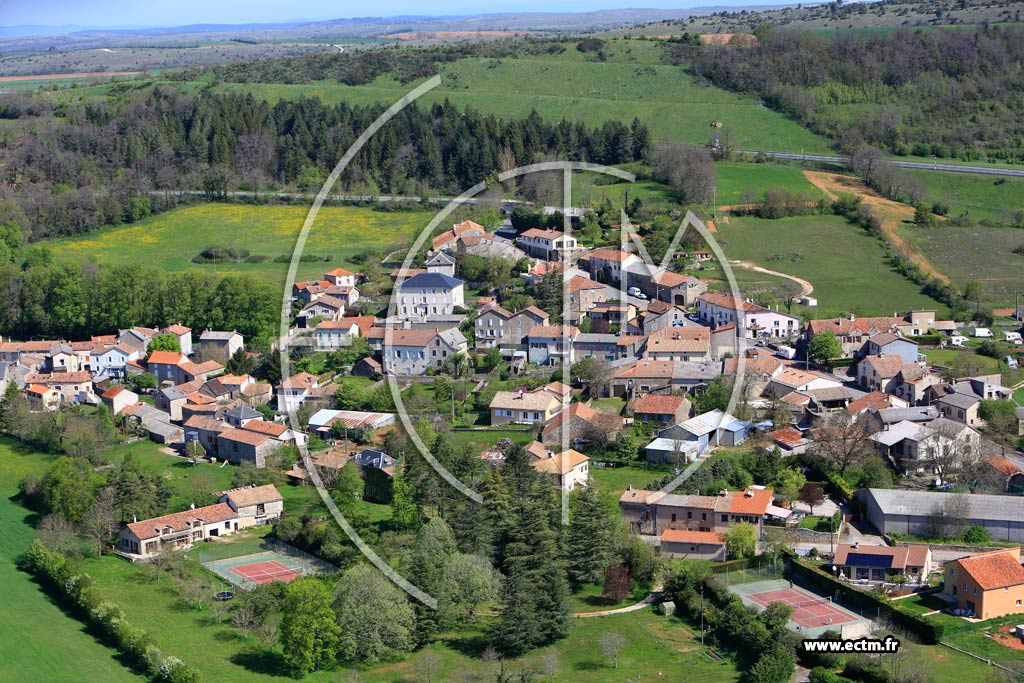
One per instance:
[(846, 265), (171, 239)]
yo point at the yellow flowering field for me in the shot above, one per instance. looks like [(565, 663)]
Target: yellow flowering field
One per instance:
[(171, 239)]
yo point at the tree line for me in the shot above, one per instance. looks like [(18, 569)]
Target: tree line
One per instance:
[(74, 300), (926, 92), (90, 163)]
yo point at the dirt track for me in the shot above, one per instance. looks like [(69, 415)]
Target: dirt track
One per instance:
[(892, 214)]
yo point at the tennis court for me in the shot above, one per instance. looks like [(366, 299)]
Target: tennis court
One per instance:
[(265, 572), (809, 611), (812, 615), (275, 562)]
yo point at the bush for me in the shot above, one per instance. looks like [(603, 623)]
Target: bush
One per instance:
[(862, 668), (219, 254), (823, 675), (977, 534)]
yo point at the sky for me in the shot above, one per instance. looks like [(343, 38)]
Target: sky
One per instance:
[(181, 12)]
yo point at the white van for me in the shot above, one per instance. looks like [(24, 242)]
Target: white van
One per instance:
[(1013, 337), (636, 292), (982, 332)]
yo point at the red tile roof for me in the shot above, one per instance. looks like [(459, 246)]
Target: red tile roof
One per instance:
[(181, 521), (655, 404), (244, 436), (753, 501), (166, 358), (994, 569), (687, 536)]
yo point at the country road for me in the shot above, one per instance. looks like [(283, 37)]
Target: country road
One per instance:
[(984, 170)]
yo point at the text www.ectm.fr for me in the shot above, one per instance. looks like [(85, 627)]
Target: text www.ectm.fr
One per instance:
[(887, 645)]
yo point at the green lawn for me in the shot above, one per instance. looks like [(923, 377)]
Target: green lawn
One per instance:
[(38, 641), (983, 197), (612, 481), (846, 266), (736, 180), (947, 356), (171, 239), (610, 405), (588, 598)]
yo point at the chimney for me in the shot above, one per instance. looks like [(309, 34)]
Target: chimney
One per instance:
[(853, 317), (724, 492), (135, 519), (192, 506), (749, 493)]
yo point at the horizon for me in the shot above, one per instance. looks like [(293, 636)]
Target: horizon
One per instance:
[(132, 15)]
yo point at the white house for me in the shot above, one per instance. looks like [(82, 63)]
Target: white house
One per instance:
[(551, 344), (293, 391), (117, 399), (567, 469), (143, 539), (336, 334), (339, 277), (112, 360), (550, 245), (755, 322), (411, 352), (429, 294), (183, 335)]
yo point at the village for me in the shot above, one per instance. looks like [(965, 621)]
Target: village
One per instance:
[(627, 366)]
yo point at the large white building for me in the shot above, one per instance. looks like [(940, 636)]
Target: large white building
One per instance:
[(429, 294), (754, 322)]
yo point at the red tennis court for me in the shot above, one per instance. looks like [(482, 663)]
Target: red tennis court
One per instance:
[(265, 572), (809, 610)]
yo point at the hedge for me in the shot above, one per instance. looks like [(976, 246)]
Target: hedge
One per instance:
[(927, 631), (60, 577)]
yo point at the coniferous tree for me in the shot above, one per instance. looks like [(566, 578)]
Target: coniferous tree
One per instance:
[(589, 537)]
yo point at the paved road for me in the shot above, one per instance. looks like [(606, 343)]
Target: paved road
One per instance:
[(955, 168)]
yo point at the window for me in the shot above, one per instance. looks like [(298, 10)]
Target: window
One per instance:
[(261, 509), (1018, 603), (725, 518), (689, 514), (673, 516)]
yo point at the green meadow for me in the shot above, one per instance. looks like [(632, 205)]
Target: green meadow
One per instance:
[(171, 239), (846, 266)]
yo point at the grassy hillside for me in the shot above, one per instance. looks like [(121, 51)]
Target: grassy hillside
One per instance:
[(845, 265), (171, 239), (630, 82)]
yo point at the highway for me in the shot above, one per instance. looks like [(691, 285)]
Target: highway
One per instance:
[(954, 168)]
